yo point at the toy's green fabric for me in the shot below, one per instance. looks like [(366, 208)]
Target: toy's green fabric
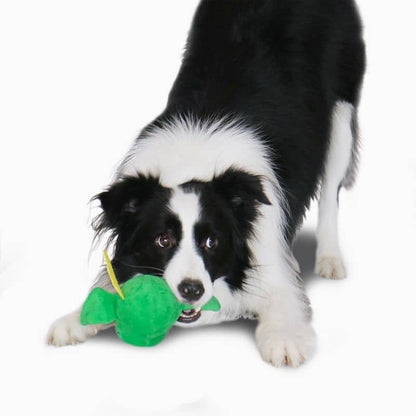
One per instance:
[(146, 314)]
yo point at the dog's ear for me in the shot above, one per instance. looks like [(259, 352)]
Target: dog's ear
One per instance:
[(124, 199), (241, 190)]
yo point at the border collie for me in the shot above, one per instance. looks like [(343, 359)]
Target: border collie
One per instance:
[(261, 118)]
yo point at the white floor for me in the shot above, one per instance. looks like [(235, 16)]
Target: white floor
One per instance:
[(78, 80)]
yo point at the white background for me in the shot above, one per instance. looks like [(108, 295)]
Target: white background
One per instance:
[(78, 80)]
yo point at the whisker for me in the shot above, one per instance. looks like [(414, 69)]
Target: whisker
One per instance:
[(142, 267)]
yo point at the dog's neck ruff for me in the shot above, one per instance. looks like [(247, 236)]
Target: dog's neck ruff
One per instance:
[(183, 149)]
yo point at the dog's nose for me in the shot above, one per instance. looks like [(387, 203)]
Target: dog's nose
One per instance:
[(191, 289)]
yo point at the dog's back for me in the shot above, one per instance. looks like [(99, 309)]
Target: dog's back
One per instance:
[(279, 65)]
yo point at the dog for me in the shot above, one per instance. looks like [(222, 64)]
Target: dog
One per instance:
[(261, 119)]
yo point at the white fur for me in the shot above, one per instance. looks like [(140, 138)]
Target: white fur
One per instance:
[(329, 262), (187, 263)]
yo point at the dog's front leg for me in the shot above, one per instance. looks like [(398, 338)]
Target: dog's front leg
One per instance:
[(68, 330), (281, 338), (274, 293), (284, 334)]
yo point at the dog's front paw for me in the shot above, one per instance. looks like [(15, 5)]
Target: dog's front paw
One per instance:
[(285, 347), (330, 267), (69, 331)]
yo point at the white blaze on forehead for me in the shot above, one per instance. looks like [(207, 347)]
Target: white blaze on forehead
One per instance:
[(186, 206), (187, 262)]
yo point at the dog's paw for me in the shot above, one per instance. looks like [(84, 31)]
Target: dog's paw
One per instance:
[(69, 331), (281, 347), (330, 267)]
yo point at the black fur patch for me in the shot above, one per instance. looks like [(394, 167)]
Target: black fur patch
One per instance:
[(135, 211)]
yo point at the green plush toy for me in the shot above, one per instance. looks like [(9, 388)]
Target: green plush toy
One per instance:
[(143, 310)]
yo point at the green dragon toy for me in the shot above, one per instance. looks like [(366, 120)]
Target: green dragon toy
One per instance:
[(143, 310)]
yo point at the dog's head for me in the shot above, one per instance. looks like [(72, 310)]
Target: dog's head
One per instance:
[(191, 235)]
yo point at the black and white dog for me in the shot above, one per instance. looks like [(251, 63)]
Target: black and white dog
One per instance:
[(261, 116)]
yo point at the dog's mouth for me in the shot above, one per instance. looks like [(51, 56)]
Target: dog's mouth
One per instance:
[(189, 316)]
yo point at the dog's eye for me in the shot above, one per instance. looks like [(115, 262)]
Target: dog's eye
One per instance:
[(211, 243), (164, 241)]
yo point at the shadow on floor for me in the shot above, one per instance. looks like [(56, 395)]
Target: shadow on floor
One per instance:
[(242, 326), (304, 248)]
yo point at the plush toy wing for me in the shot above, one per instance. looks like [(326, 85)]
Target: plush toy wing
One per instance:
[(212, 305), (99, 308)]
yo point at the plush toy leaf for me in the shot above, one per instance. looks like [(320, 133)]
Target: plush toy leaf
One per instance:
[(99, 308)]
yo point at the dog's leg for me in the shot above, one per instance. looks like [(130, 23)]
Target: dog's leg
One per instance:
[(329, 262), (68, 330), (284, 334), (274, 294)]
